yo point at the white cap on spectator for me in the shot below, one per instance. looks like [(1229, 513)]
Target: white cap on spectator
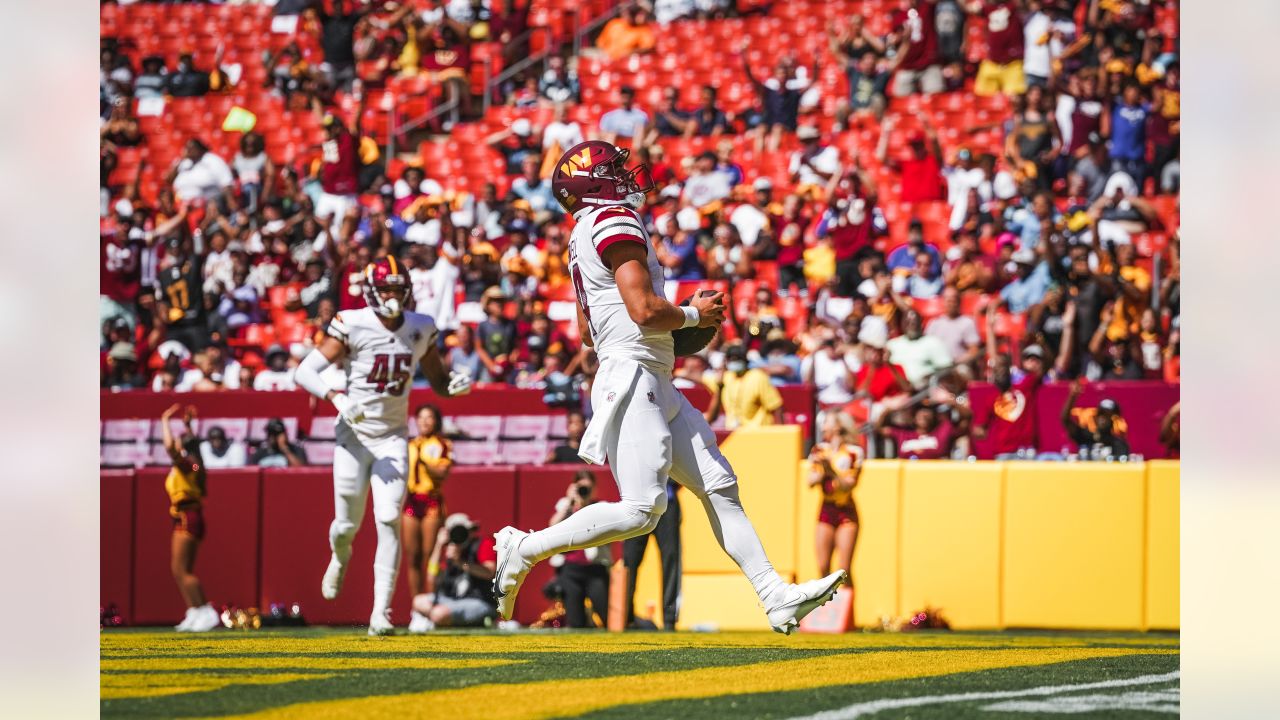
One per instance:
[(458, 520), (1004, 186), (873, 332), (1120, 181), (522, 127), (670, 191), (689, 219), (762, 183), (124, 208), (1024, 256), (173, 347), (808, 132)]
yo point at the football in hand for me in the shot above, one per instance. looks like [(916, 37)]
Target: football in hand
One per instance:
[(690, 341)]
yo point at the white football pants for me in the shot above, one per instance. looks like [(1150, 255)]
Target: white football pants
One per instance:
[(357, 464), (657, 435)]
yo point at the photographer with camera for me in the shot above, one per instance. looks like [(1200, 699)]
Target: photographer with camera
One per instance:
[(276, 450), (463, 594), (582, 573)]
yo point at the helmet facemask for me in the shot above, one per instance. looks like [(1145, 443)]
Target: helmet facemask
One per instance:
[(630, 183), (390, 307)]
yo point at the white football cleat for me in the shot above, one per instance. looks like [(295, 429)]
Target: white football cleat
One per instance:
[(512, 570), (204, 619), (186, 620), (331, 585), (800, 600), (420, 624), (380, 624)]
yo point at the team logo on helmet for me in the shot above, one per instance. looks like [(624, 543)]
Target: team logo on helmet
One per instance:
[(595, 173), (386, 287)]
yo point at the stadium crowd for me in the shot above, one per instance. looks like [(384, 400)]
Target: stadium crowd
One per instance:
[(889, 279)]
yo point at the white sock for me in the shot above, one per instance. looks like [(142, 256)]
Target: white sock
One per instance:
[(386, 564), (737, 536), (592, 526)]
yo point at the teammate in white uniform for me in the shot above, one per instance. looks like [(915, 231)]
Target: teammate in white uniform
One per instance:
[(643, 425), (381, 344)]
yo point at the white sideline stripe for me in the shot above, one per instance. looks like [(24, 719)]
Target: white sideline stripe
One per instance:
[(875, 706)]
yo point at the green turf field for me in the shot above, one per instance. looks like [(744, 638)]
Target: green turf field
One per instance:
[(333, 673)]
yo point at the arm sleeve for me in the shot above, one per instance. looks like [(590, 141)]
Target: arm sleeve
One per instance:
[(307, 376)]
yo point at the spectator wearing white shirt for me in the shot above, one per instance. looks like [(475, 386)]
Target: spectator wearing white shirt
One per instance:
[(560, 135), (278, 375), (814, 163), (962, 177), (1045, 35), (920, 356), (959, 333), (752, 218), (200, 174), (626, 122), (706, 184), (213, 371), (829, 371), (218, 452), (433, 278)]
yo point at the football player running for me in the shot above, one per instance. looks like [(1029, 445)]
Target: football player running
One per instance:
[(381, 344), (643, 426)]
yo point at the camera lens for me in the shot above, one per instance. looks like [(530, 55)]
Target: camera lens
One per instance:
[(459, 535), (584, 491)]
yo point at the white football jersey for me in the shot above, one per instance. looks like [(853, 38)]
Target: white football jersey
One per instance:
[(380, 365), (614, 332)]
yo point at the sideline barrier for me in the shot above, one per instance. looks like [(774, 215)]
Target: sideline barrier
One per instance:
[(992, 545)]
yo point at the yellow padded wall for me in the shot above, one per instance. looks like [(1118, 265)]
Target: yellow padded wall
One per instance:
[(951, 541), (1074, 544), (766, 462), (1163, 503)]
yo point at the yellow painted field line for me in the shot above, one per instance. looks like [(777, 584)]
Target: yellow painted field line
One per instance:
[(195, 664), (119, 686), (555, 698), (160, 644)]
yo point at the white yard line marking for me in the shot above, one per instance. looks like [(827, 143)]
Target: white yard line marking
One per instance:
[(1165, 701), (867, 708)]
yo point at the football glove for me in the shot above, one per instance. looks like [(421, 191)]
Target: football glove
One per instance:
[(459, 384), (349, 410)]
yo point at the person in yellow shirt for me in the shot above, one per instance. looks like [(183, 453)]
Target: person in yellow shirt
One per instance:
[(834, 465), (430, 459), (746, 397), (185, 485), (1134, 286)]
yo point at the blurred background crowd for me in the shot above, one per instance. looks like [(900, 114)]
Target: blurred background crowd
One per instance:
[(901, 196)]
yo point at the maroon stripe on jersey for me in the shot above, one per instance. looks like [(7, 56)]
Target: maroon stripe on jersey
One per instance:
[(600, 247)]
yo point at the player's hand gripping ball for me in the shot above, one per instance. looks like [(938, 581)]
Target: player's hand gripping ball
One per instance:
[(691, 341)]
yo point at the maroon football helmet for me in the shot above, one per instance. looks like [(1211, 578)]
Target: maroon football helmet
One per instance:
[(381, 276), (595, 173)]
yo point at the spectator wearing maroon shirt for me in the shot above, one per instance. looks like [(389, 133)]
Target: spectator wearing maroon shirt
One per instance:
[(339, 166), (849, 221), (1001, 69), (1008, 421), (790, 229), (931, 435), (916, 36), (921, 170)]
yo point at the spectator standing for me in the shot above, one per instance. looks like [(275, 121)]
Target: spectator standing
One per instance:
[(779, 100), (277, 450), (560, 134), (185, 485), (829, 371), (1009, 419), (1045, 34), (1000, 72), (255, 170), (496, 337), (1101, 438), (1126, 125), (337, 38), (747, 398), (921, 170), (915, 35), (463, 356), (339, 167), (1031, 283), (583, 574), (575, 426), (219, 452), (670, 555)]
